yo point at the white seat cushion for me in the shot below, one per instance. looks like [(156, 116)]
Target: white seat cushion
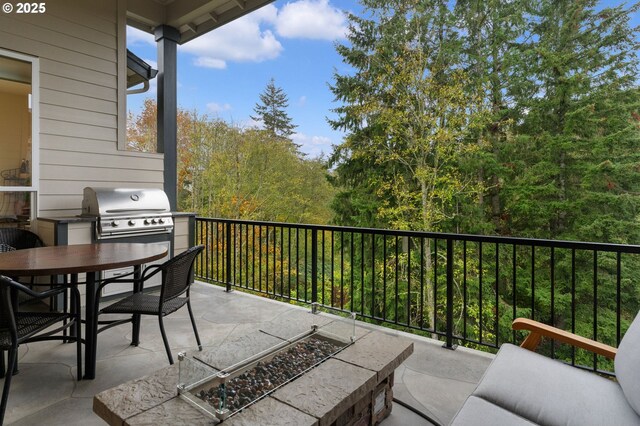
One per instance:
[(478, 412), (549, 392)]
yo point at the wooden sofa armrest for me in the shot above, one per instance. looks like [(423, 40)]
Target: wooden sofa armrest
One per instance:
[(539, 330)]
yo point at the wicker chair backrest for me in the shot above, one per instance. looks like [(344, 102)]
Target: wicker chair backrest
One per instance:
[(176, 273), (19, 238)]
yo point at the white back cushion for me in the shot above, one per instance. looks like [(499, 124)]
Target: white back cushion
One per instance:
[(627, 364)]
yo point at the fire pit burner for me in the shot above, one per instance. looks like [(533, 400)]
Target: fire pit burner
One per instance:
[(266, 377), (223, 392)]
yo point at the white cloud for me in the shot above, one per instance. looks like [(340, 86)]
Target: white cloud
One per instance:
[(137, 37), (216, 107), (242, 40), (314, 146), (302, 101), (313, 19), (207, 62)]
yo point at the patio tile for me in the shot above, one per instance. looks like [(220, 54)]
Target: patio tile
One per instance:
[(244, 310), (47, 384), (79, 410), (179, 333), (461, 364), (46, 352), (441, 396)]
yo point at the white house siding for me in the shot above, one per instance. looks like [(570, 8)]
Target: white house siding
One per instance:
[(77, 44)]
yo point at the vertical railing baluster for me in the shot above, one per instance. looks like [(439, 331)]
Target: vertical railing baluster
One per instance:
[(435, 285), (573, 302), (384, 277), (595, 305), (323, 267), (314, 265), (396, 282), (362, 294), (553, 292), (333, 243), (352, 267), (289, 262), (497, 307), (408, 307), (421, 307), (297, 263), (533, 282), (306, 266), (513, 289), (259, 257), (239, 255), (228, 254), (449, 313), (341, 270), (464, 289), (373, 274), (480, 293), (618, 290)]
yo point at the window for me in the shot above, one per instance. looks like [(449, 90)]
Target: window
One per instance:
[(19, 137)]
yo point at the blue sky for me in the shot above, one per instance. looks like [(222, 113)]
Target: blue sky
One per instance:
[(223, 72)]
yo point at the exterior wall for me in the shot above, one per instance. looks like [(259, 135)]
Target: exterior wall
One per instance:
[(82, 100), (181, 235)]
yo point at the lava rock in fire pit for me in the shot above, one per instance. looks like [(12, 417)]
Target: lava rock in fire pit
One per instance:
[(267, 376)]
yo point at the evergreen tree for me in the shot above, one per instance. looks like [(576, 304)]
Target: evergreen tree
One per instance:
[(271, 111), (492, 28), (575, 151), (407, 113)]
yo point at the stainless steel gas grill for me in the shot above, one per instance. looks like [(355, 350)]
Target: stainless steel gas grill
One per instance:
[(132, 216), (122, 212)]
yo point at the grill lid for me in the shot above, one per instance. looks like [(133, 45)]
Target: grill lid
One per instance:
[(109, 202)]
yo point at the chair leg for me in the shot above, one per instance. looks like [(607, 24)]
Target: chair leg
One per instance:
[(13, 354), (78, 346), (193, 323), (164, 339), (135, 332)]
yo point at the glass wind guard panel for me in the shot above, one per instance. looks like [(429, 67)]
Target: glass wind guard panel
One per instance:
[(223, 392)]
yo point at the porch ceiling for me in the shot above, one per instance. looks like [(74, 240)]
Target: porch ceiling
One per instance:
[(191, 17)]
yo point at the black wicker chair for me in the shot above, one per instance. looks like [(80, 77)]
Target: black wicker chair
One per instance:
[(19, 238), (23, 327), (16, 239), (174, 294)]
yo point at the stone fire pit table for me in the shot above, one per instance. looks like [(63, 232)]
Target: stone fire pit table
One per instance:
[(353, 387)]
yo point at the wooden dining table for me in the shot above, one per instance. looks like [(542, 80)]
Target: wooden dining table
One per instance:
[(72, 260)]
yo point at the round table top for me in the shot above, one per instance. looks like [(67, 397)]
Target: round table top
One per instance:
[(79, 258)]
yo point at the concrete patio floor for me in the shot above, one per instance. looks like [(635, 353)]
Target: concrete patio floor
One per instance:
[(434, 381)]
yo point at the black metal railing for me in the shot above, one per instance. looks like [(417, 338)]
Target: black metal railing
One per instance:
[(461, 288)]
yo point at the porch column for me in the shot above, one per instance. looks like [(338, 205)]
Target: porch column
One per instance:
[(167, 38)]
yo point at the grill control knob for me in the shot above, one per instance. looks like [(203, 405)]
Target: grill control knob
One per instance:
[(115, 223), (132, 223), (154, 221), (160, 220), (147, 222)]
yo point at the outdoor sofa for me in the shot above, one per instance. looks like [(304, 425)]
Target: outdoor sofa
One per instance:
[(521, 387)]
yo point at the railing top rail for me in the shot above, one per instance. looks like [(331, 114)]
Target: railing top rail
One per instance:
[(533, 242)]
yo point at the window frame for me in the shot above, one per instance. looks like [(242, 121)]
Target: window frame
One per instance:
[(35, 122)]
